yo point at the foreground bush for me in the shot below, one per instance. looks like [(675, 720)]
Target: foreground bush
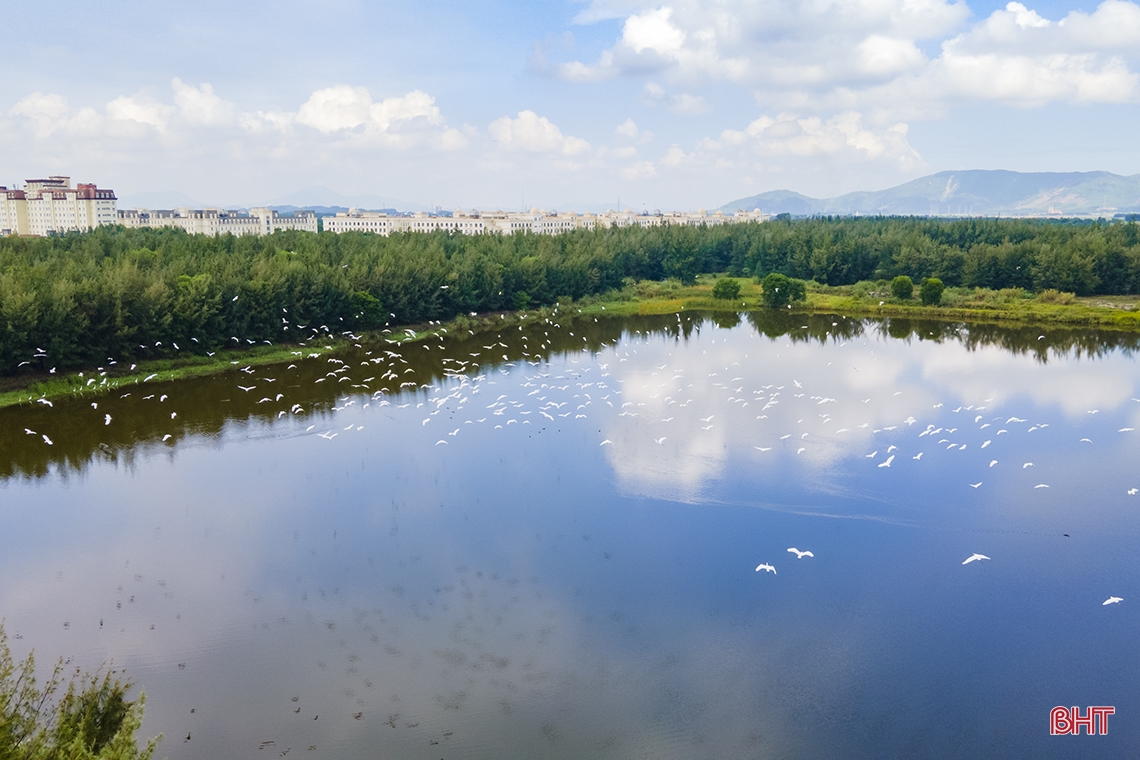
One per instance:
[(91, 721)]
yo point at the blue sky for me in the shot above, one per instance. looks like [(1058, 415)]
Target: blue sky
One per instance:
[(671, 105)]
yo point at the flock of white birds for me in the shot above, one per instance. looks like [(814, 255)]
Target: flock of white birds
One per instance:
[(551, 398)]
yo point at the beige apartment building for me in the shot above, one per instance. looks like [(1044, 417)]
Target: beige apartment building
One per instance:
[(53, 206), (215, 221), (536, 221)]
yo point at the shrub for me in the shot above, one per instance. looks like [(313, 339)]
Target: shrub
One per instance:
[(780, 290), (931, 291), (1056, 296), (92, 721), (902, 287), (727, 289)]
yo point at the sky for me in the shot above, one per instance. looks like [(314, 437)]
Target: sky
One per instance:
[(567, 104)]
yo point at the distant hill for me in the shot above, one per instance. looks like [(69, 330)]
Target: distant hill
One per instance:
[(323, 197), (973, 192)]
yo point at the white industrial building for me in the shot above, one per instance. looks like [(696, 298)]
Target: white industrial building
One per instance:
[(215, 221), (53, 206)]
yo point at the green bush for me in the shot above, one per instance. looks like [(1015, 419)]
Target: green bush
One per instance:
[(727, 289), (931, 291), (902, 287), (780, 290), (91, 721)]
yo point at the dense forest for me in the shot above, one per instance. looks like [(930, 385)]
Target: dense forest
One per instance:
[(85, 298)]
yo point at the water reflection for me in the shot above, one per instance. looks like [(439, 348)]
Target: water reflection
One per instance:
[(542, 542)]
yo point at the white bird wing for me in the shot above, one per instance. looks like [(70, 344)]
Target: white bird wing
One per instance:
[(1112, 600)]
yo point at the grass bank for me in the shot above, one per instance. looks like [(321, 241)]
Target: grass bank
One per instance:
[(866, 299), (873, 299)]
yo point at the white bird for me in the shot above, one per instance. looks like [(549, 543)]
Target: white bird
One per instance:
[(43, 401), (1027, 464), (987, 443), (47, 441), (993, 462), (1085, 440), (441, 441), (603, 443), (1131, 491), (106, 419), (247, 390), (890, 448), (873, 454), (659, 441), (166, 437), (762, 448), (798, 553), (917, 456), (974, 557), (975, 485), (1125, 430), (1111, 600), (801, 450), (1040, 485), (767, 567), (887, 463)]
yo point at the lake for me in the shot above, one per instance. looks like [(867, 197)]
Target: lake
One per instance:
[(546, 542)]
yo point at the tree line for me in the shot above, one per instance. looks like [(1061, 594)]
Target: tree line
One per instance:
[(82, 299)]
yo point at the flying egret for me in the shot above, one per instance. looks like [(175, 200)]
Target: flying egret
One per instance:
[(888, 461), (974, 558), (765, 566), (106, 419), (798, 553), (975, 485), (1111, 600)]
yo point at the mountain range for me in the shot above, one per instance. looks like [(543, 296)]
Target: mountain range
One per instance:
[(974, 192)]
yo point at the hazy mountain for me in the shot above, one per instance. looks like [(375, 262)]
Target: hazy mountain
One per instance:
[(323, 197), (973, 192)]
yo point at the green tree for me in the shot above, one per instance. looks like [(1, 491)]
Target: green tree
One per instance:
[(902, 287), (726, 288), (781, 290), (93, 720), (930, 291)]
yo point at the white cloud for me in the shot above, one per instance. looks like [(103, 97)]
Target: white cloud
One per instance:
[(627, 128), (531, 133), (47, 112), (688, 105), (336, 108), (878, 55), (639, 171), (867, 54), (199, 105), (844, 134), (140, 109), (652, 30)]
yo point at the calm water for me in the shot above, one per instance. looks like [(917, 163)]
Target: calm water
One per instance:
[(544, 543)]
